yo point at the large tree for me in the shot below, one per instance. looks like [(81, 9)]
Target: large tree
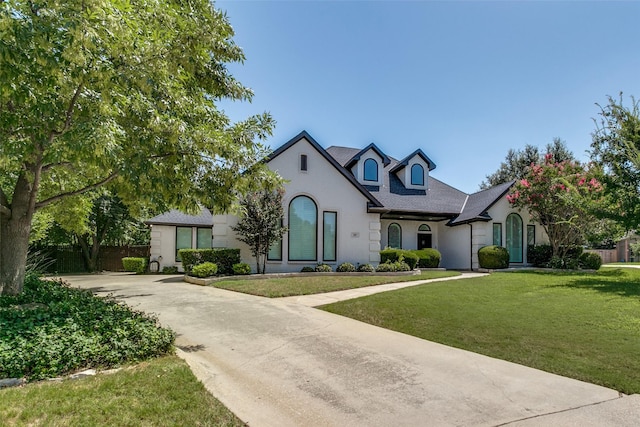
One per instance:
[(616, 148), (104, 91), (517, 162)]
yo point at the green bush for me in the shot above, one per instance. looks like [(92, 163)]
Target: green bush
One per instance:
[(323, 268), (223, 258), (134, 264), (206, 269), (493, 257), (389, 266), (346, 267), (411, 258), (307, 269), (241, 268), (52, 329), (590, 261), (366, 268), (428, 258), (390, 255), (539, 255), (169, 269), (393, 255)]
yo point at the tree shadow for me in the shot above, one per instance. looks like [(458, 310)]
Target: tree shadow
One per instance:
[(615, 283), (192, 348)]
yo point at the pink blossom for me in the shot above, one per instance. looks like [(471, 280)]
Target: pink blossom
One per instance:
[(525, 183)]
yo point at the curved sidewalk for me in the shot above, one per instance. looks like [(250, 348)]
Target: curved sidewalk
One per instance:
[(278, 363)]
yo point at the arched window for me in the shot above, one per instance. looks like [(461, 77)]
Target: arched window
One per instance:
[(514, 237), (303, 229), (417, 175), (370, 170), (424, 228), (395, 236)]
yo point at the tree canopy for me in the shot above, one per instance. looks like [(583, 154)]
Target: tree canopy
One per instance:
[(104, 91)]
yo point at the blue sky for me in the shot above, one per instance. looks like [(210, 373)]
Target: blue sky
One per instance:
[(463, 81)]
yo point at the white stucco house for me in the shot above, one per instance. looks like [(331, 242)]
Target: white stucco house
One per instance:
[(346, 204)]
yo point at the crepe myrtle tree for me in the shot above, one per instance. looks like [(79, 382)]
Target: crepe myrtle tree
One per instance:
[(562, 197), (261, 223), (122, 93)]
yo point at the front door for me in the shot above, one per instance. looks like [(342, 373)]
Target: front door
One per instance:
[(424, 240)]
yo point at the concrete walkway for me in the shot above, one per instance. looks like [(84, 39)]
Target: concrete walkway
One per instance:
[(278, 363)]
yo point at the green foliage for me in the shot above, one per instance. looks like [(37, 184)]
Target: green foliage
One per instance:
[(393, 266), (206, 269), (428, 258), (241, 268), (323, 268), (539, 255), (389, 254), (493, 257), (346, 267), (224, 258), (307, 269), (393, 255), (261, 223), (135, 264), (52, 329), (635, 248), (366, 268), (411, 258), (169, 269), (590, 261)]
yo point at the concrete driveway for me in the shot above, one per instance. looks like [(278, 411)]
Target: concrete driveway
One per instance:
[(278, 363)]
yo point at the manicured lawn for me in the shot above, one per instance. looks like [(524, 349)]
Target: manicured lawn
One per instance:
[(584, 326), (161, 392), (289, 286), (621, 264)]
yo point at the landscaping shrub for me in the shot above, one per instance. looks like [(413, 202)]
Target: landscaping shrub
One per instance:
[(366, 268), (241, 268), (223, 258), (346, 267), (206, 269), (389, 266), (493, 257), (169, 269), (393, 255), (390, 255), (52, 330), (307, 269), (411, 258), (590, 261), (428, 258), (323, 268), (134, 264), (539, 255)]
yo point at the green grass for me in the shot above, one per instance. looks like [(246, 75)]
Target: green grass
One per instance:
[(161, 392), (290, 286), (620, 263), (583, 326)]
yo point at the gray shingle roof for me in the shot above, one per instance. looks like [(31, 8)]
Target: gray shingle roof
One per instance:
[(175, 217), (479, 203)]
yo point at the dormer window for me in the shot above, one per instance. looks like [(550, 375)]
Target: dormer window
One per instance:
[(417, 175), (370, 170)]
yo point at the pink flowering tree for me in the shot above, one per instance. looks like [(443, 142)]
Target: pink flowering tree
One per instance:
[(561, 196)]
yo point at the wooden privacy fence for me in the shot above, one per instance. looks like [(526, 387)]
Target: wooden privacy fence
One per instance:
[(607, 255), (69, 259)]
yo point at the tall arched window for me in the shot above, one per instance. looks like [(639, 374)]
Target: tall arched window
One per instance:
[(417, 175), (514, 237), (303, 229), (370, 170), (395, 236)]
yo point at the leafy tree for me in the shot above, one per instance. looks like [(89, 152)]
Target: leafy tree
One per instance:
[(517, 163), (105, 91), (560, 196), (260, 225), (616, 148)]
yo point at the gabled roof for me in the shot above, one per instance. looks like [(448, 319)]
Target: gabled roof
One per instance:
[(477, 204), (330, 159), (175, 217), (372, 146), (404, 162)]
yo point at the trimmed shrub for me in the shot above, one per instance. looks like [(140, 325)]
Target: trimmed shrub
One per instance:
[(206, 269), (390, 255), (241, 268), (539, 255), (388, 267), (169, 269), (590, 261), (428, 258), (136, 265), (224, 258), (323, 268), (307, 269), (366, 268), (493, 257), (393, 255), (410, 257), (346, 267)]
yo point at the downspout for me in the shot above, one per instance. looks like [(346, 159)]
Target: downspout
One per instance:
[(471, 246)]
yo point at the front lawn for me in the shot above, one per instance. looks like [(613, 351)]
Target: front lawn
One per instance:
[(315, 284), (583, 326), (161, 392)]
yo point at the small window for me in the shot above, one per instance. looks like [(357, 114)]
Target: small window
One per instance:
[(395, 236), (497, 234), (184, 239), (303, 162), (203, 238), (370, 170), (329, 220), (531, 235), (417, 175), (424, 228)]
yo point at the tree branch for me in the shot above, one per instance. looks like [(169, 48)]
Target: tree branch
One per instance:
[(68, 115), (93, 186), (50, 166)]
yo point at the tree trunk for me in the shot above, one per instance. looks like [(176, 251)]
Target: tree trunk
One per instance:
[(14, 245), (89, 254)]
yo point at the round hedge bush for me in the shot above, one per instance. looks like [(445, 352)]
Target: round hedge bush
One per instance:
[(366, 268), (428, 258), (307, 269), (206, 269), (241, 268), (323, 268), (493, 257), (590, 261), (346, 267)]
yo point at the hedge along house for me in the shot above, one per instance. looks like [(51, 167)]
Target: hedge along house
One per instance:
[(346, 204)]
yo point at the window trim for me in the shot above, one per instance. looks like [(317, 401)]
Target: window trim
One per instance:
[(315, 249), (532, 234), (400, 237), (364, 171), (428, 230), (421, 174), (335, 236), (499, 224), (176, 241), (279, 242)]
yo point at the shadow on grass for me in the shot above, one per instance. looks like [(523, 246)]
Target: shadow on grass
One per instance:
[(614, 282)]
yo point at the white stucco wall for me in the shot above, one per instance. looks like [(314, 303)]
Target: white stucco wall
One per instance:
[(358, 169), (163, 244), (405, 174), (455, 243)]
